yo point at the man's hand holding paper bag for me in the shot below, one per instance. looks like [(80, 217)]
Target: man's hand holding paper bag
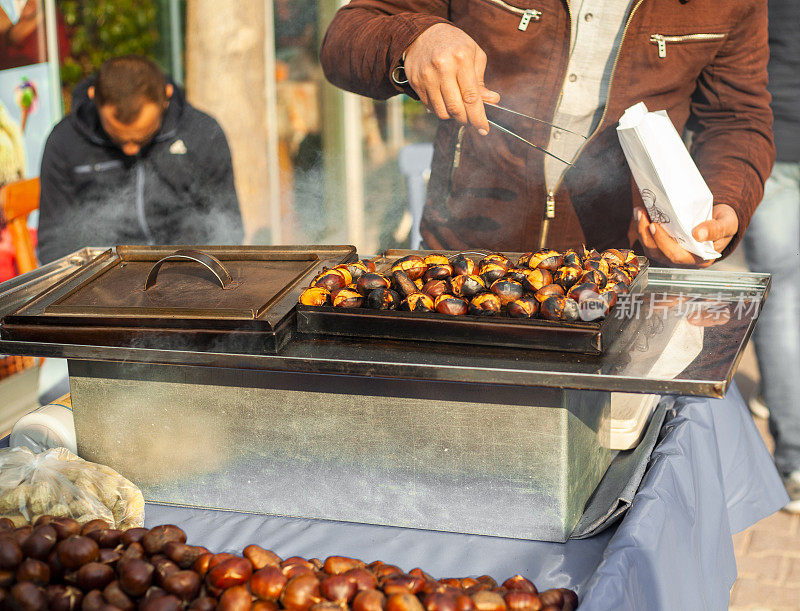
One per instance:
[(679, 224)]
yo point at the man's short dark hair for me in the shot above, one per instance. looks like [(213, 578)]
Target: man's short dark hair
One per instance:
[(127, 83)]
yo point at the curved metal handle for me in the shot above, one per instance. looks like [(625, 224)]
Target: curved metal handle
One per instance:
[(212, 264)]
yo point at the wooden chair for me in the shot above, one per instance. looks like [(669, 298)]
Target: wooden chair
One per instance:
[(17, 201)]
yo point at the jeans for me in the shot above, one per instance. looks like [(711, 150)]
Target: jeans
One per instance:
[(772, 244)]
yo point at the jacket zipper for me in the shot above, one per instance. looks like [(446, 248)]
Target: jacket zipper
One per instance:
[(140, 204), (550, 202), (661, 40), (526, 15)]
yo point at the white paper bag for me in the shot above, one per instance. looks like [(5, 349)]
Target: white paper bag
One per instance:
[(673, 191)]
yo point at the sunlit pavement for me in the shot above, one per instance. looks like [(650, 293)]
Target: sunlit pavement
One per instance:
[(768, 553)]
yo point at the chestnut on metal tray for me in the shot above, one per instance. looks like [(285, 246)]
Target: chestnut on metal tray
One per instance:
[(463, 311)]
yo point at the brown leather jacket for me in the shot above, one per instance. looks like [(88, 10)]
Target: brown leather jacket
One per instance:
[(489, 192)]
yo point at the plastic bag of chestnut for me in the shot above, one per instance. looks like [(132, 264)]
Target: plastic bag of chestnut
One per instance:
[(60, 564), (59, 483)]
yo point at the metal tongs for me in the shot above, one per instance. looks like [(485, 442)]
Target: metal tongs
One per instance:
[(529, 143)]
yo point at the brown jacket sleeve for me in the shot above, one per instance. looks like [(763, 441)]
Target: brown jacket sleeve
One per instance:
[(734, 146), (367, 38)]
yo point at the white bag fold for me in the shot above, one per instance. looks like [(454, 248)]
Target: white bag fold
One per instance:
[(673, 191)]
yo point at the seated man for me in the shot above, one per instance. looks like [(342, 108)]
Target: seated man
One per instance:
[(135, 163)]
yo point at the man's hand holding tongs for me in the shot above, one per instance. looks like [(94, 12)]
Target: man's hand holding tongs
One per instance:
[(445, 67)]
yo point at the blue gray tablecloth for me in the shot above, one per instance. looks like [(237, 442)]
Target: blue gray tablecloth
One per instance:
[(709, 476)]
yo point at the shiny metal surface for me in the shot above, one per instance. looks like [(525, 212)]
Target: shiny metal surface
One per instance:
[(481, 459), (667, 346)]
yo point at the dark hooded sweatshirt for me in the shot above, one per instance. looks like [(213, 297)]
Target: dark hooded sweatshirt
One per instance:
[(178, 190)]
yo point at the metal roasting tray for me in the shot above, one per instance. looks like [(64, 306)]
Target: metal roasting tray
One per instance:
[(239, 299), (538, 334), (633, 363)]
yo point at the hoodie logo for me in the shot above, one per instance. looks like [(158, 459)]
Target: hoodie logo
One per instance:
[(177, 148)]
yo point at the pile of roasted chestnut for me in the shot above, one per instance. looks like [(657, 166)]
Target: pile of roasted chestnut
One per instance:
[(578, 284), (60, 564)]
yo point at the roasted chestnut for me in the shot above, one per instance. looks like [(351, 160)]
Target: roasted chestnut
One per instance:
[(347, 298), (463, 266), (525, 307), (491, 270), (536, 279), (547, 291), (467, 285), (583, 291), (618, 274), (434, 288), (516, 273), (609, 295), (594, 276), (333, 279), (585, 253), (371, 281), (369, 264), (567, 275), (356, 269), (383, 299), (550, 260), (417, 302), (413, 265), (620, 288), (507, 290), (496, 257), (403, 284), (571, 257), (599, 264), (593, 308), (613, 256), (436, 260), (448, 304), (485, 304), (559, 308), (438, 272), (316, 296)]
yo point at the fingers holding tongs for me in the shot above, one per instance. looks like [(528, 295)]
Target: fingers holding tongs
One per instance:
[(518, 137)]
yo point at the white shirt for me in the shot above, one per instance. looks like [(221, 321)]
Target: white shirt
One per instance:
[(597, 28)]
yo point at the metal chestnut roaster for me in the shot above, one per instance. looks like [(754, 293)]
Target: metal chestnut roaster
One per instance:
[(189, 377)]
